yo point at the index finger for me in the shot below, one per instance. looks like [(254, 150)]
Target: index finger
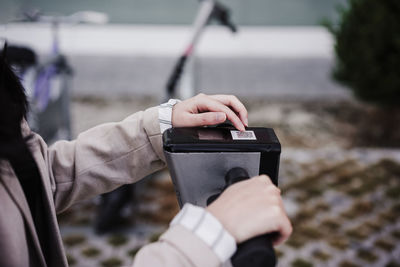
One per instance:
[(237, 106), (210, 104)]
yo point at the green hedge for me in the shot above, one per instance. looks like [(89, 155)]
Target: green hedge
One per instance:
[(368, 50)]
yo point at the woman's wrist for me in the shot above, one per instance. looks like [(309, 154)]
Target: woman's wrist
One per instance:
[(165, 114), (208, 228)]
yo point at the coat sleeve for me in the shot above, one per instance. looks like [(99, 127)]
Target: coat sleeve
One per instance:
[(177, 247), (113, 154), (105, 157)]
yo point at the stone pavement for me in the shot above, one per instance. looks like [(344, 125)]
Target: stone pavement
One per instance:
[(344, 205), (343, 200)]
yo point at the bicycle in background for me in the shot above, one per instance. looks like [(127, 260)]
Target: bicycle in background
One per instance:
[(48, 83)]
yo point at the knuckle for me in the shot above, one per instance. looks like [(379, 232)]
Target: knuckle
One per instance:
[(275, 190), (287, 227), (267, 190), (276, 200), (203, 119), (280, 212), (276, 211), (272, 190), (266, 179)]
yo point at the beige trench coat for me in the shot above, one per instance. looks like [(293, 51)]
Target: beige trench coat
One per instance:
[(98, 161)]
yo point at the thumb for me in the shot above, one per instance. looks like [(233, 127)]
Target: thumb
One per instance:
[(207, 118)]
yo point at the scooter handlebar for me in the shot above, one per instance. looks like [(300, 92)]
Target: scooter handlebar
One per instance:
[(257, 251)]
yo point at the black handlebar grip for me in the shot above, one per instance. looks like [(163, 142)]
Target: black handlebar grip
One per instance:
[(235, 175), (255, 252)]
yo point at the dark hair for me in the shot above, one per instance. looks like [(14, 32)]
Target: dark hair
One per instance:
[(13, 109), (14, 148)]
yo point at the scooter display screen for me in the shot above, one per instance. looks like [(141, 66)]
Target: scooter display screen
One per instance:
[(203, 134)]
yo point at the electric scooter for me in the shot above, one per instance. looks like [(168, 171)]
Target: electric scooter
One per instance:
[(112, 203), (47, 82), (209, 10), (204, 161)]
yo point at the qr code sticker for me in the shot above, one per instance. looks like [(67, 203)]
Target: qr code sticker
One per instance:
[(246, 135)]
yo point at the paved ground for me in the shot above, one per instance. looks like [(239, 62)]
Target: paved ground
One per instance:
[(342, 196), (114, 59), (296, 78)]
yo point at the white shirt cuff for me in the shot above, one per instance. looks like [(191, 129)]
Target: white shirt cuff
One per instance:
[(206, 227), (165, 114)]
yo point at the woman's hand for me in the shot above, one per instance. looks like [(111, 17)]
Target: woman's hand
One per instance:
[(251, 208), (204, 110)]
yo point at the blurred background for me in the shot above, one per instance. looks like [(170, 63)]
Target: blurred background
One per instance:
[(323, 74)]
